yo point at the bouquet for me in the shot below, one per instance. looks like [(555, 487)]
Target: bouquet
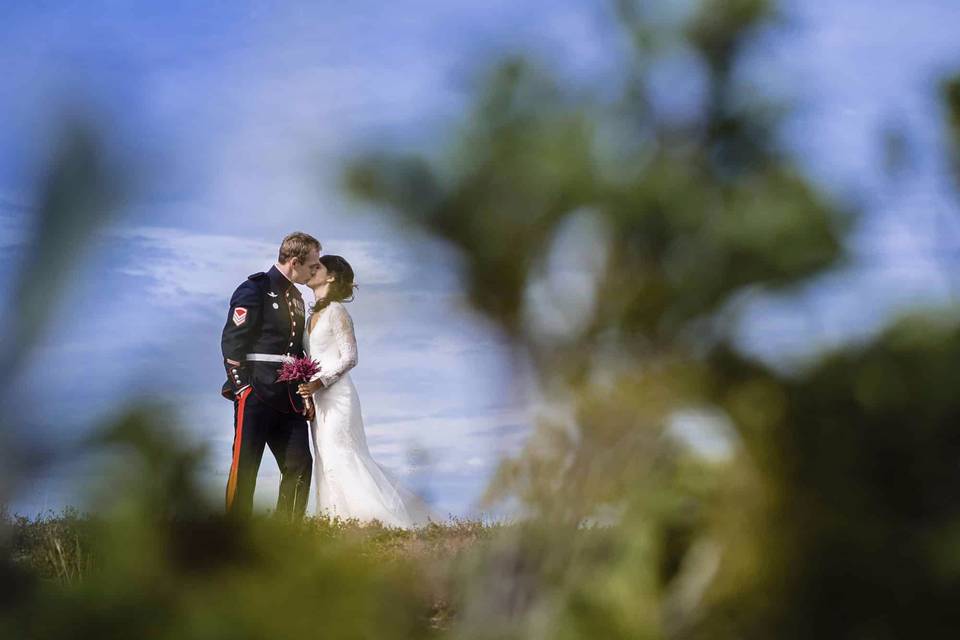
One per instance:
[(299, 370)]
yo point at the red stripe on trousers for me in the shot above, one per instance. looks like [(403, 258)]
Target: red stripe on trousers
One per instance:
[(237, 440)]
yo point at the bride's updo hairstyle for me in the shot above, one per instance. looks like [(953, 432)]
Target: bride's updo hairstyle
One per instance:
[(342, 287)]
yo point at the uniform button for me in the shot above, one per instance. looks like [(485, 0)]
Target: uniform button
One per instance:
[(290, 345)]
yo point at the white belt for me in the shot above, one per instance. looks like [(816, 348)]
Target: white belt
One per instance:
[(268, 357)]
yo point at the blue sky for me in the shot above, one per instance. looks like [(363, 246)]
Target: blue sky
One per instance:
[(238, 115)]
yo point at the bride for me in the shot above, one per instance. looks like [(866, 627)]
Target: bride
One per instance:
[(348, 482)]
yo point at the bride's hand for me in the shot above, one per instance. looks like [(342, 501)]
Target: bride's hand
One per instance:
[(307, 389)]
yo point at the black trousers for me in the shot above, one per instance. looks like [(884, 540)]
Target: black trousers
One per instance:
[(255, 425)]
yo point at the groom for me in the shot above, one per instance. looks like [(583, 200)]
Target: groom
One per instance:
[(264, 329)]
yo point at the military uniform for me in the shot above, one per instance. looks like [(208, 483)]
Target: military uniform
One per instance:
[(265, 328)]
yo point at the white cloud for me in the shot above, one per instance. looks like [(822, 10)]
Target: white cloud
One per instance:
[(183, 267)]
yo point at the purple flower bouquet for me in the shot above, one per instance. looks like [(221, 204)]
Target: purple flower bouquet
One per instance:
[(299, 370)]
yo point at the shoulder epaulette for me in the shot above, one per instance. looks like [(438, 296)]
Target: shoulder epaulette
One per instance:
[(259, 275)]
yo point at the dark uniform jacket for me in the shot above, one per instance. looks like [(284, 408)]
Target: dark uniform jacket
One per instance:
[(266, 318)]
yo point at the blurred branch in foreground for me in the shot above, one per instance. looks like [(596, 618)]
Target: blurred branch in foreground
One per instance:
[(75, 199), (76, 195)]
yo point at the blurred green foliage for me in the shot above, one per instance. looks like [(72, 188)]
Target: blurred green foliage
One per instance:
[(836, 514), (613, 244), (157, 561)]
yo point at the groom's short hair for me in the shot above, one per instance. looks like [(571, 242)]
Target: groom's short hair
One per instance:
[(297, 245)]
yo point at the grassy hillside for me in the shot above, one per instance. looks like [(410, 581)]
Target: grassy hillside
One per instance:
[(62, 550)]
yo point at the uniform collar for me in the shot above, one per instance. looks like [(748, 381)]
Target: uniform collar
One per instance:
[(278, 281)]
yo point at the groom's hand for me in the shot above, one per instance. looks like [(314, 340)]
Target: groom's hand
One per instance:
[(310, 413), (238, 376)]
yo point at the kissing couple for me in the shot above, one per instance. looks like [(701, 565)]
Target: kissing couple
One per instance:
[(267, 326)]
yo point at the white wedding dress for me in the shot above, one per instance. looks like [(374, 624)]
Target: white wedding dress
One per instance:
[(348, 482)]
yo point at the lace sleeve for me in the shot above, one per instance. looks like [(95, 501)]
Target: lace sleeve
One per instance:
[(342, 325)]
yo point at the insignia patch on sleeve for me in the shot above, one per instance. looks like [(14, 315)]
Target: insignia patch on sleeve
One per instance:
[(239, 316)]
